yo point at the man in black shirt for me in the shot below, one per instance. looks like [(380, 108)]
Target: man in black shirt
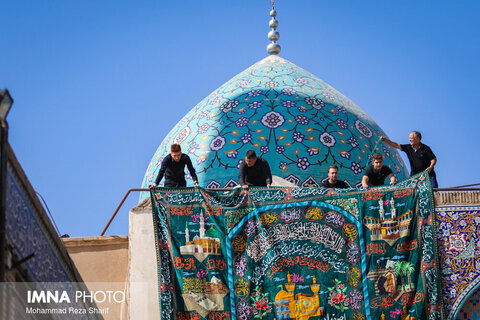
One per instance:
[(254, 171), (376, 174), (333, 181), (419, 155), (173, 168)]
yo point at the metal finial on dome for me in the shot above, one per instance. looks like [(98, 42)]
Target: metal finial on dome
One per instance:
[(273, 35)]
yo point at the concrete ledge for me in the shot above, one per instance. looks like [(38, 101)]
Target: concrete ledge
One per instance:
[(95, 241), (457, 198)]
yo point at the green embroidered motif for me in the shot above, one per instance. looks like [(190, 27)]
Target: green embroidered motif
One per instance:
[(233, 216), (349, 205), (298, 254)]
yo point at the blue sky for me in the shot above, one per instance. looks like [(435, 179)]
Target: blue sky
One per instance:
[(98, 84)]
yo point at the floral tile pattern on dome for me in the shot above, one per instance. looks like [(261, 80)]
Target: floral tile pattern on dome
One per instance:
[(294, 120)]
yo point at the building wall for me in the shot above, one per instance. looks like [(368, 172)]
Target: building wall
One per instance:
[(30, 233), (103, 265), (143, 275), (36, 258)]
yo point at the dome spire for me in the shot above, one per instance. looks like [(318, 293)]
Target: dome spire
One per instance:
[(273, 35)]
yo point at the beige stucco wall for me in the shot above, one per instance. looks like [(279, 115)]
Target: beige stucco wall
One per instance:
[(128, 262), (103, 265), (143, 303)]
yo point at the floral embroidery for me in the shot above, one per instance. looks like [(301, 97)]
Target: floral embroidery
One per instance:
[(261, 304), (336, 297)]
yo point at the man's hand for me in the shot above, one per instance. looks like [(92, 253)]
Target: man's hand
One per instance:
[(153, 185), (390, 142), (365, 182), (245, 187), (195, 184), (393, 180), (268, 185)]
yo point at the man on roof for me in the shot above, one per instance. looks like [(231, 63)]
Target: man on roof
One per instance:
[(376, 174), (419, 155), (173, 169), (254, 171)]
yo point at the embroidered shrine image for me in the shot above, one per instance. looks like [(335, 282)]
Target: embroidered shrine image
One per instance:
[(298, 253)]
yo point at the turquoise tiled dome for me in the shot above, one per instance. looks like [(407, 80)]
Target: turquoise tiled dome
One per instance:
[(299, 123)]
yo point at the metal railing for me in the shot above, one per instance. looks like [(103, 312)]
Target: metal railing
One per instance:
[(139, 190), (457, 188)]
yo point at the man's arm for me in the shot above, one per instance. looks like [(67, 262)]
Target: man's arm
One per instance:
[(393, 179), (268, 174), (365, 182), (432, 157), (241, 175), (191, 169), (160, 174), (433, 162), (390, 142), (162, 170)]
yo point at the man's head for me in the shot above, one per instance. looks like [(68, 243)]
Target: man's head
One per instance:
[(250, 158), (377, 161), (415, 137), (176, 152), (333, 173)]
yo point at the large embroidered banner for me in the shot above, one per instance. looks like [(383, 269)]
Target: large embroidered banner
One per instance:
[(459, 245), (301, 253)]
